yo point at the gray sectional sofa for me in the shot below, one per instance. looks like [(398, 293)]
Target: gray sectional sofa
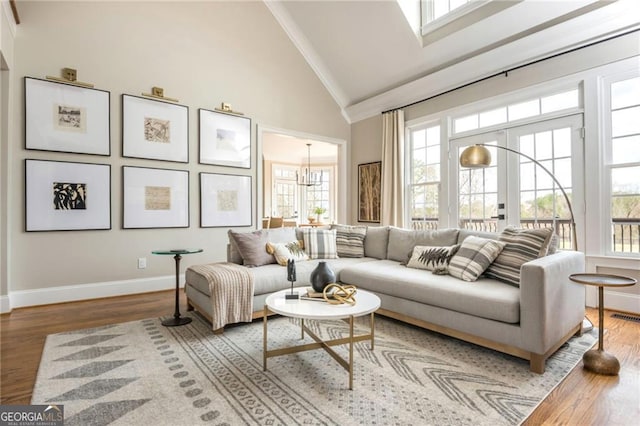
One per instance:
[(529, 321)]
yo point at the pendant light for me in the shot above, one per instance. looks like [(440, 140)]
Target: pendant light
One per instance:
[(306, 178)]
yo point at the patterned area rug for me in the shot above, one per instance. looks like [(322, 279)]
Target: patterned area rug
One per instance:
[(143, 373)]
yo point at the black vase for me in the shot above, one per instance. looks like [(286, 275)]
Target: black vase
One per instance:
[(321, 277)]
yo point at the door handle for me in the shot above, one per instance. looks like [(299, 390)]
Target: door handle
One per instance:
[(499, 217)]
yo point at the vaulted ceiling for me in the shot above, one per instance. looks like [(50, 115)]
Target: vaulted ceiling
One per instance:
[(370, 59)]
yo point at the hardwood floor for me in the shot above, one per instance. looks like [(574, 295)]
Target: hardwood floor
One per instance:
[(582, 399)]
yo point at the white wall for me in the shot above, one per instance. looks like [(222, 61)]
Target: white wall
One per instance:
[(202, 53), (7, 34)]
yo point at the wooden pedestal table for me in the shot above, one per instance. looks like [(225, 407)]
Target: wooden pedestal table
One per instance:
[(177, 255), (597, 360), (366, 303)]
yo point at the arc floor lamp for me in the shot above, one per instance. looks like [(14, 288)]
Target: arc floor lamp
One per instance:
[(478, 157)]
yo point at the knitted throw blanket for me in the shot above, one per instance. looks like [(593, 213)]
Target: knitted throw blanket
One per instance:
[(231, 287)]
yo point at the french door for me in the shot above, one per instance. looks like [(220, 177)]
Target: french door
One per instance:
[(514, 190)]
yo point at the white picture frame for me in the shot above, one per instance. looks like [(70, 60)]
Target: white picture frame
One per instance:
[(154, 129), (66, 118), (225, 139), (67, 196), (155, 198), (225, 200)]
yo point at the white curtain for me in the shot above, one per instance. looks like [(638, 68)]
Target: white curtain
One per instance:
[(392, 206)]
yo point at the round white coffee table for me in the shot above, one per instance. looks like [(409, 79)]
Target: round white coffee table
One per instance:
[(366, 303)]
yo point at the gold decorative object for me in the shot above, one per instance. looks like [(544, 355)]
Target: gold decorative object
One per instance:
[(225, 107), (341, 294), (69, 76), (158, 93)]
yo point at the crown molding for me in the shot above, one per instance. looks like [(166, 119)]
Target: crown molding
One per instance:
[(303, 45), (10, 15)]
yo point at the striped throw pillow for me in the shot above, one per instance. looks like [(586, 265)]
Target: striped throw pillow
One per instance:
[(474, 257), (350, 240), (320, 243), (522, 245)]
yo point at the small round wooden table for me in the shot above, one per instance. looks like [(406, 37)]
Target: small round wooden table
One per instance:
[(177, 255), (597, 360)]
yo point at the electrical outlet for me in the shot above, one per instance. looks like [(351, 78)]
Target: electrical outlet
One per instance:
[(142, 262)]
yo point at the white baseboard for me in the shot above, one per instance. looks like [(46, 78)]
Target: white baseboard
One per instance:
[(5, 304), (624, 302), (72, 293)]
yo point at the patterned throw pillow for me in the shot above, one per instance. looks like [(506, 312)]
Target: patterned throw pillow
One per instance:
[(522, 245), (431, 258), (320, 243), (474, 257), (350, 240), (286, 251)]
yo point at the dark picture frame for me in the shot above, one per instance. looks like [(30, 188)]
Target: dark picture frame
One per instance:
[(369, 191), (67, 196), (154, 198), (225, 200), (224, 139), (154, 129), (64, 117)]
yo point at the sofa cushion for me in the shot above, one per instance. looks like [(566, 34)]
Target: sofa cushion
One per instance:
[(474, 257), (320, 243), (430, 258), (464, 233), (350, 240), (252, 247), (521, 246), (376, 242), (285, 251), (402, 241), (485, 298)]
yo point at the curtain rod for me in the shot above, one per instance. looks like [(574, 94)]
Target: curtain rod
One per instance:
[(506, 72)]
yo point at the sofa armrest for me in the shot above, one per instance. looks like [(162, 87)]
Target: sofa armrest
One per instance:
[(550, 303)]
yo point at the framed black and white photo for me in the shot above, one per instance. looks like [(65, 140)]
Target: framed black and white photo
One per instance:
[(225, 139), (155, 198), (66, 196), (154, 129), (225, 200), (66, 118)]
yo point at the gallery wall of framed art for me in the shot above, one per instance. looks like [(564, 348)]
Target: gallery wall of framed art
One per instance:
[(76, 120)]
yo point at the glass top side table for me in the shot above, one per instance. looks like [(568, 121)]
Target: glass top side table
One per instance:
[(177, 255), (597, 360)]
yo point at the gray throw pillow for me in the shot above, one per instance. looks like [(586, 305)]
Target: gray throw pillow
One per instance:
[(252, 246)]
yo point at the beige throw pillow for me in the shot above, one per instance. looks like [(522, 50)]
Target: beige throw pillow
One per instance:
[(285, 251), (431, 258)]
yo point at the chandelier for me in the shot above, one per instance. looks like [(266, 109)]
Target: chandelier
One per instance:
[(309, 178)]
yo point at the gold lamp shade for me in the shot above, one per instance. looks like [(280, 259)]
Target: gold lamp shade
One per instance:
[(475, 157)]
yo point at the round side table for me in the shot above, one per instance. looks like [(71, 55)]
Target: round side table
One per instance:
[(177, 255), (597, 360)]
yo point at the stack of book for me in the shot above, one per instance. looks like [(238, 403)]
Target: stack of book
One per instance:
[(310, 294)]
